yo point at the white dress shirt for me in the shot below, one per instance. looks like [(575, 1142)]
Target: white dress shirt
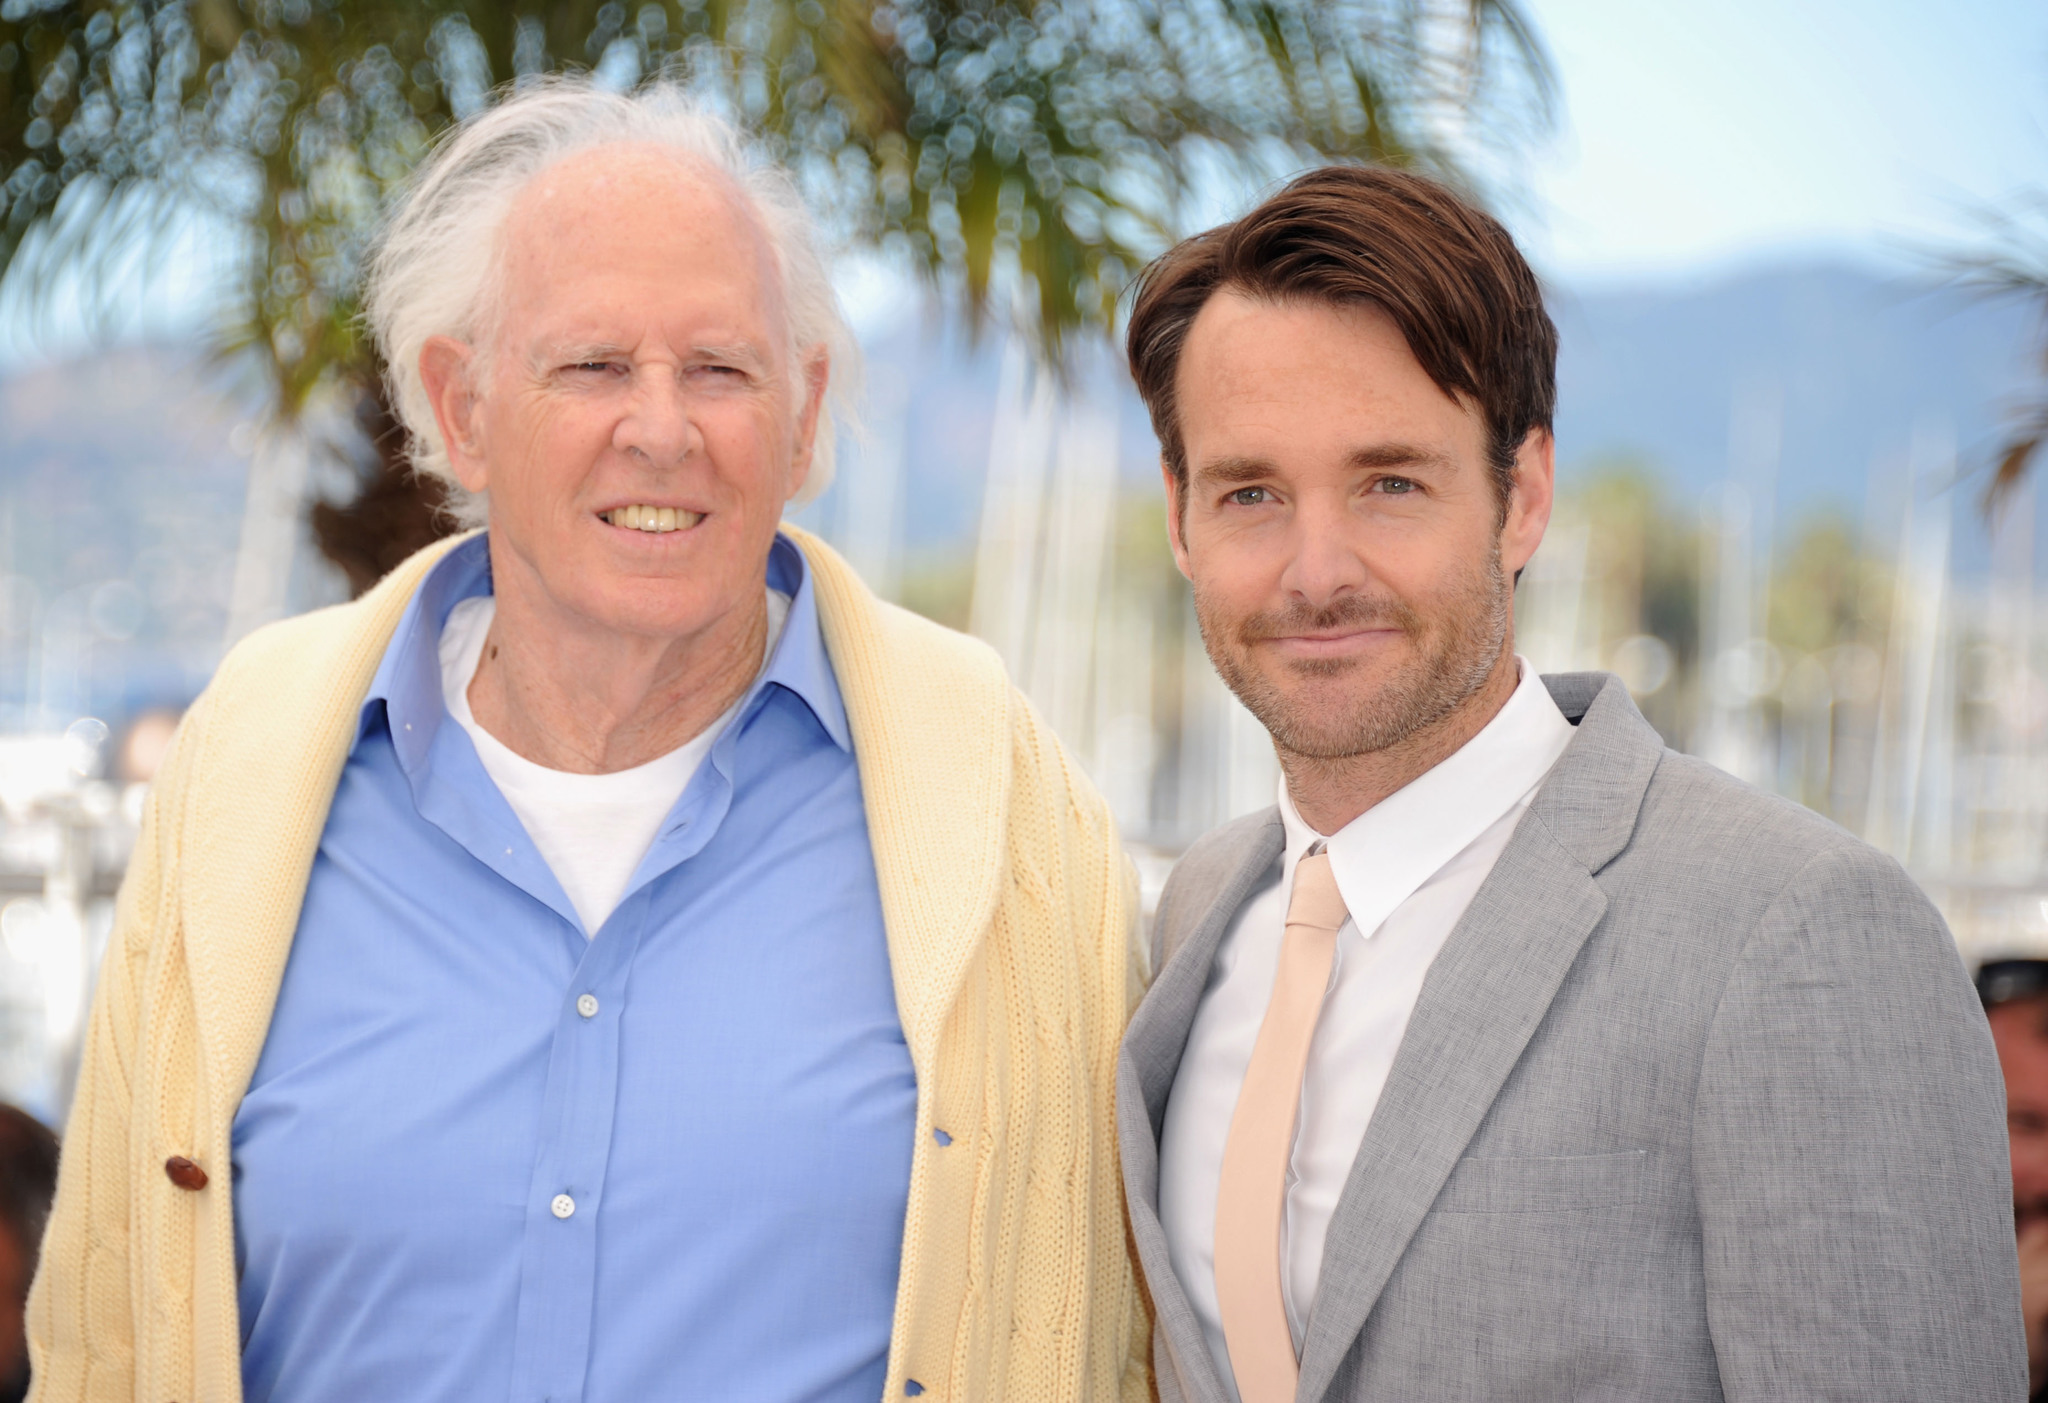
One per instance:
[(1407, 867), (592, 830)]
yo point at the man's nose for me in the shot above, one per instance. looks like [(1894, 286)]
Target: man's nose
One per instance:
[(657, 425), (1325, 562)]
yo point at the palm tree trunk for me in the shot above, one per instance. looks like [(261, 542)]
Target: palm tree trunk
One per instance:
[(394, 512)]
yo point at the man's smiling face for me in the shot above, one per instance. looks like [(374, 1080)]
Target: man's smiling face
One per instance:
[(634, 413), (1349, 547)]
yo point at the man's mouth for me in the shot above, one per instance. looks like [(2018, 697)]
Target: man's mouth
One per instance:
[(1342, 635), (652, 519), (1331, 640)]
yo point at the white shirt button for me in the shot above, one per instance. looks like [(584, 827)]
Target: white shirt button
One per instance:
[(563, 1206), (587, 1005)]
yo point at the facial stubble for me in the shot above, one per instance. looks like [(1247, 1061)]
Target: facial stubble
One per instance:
[(1452, 662)]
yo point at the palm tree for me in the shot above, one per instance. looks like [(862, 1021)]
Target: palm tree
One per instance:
[(1016, 154), (2014, 264)]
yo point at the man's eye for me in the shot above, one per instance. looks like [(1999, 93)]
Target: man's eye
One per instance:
[(1396, 486), (594, 367), (1249, 496)]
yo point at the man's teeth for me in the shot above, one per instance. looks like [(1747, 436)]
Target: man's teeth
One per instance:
[(653, 518)]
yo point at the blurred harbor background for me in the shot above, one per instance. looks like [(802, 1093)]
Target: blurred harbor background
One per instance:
[(1774, 433)]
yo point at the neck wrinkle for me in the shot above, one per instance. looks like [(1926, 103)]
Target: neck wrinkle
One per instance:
[(554, 703)]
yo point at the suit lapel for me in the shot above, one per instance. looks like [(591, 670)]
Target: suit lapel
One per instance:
[(1201, 905), (1192, 918), (1506, 958), (1484, 997)]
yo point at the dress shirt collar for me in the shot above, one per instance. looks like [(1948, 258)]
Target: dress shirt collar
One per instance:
[(407, 687), (1381, 857)]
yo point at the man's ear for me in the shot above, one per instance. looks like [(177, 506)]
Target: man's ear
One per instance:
[(1531, 492), (817, 374), (1176, 516), (446, 367)]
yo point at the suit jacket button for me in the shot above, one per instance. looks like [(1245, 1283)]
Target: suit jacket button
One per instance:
[(184, 1173)]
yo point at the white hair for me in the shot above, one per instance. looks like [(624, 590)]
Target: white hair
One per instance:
[(425, 278)]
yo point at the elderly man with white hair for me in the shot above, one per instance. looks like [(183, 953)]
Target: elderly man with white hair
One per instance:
[(617, 958)]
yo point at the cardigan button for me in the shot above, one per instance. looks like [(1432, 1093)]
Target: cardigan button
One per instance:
[(184, 1173)]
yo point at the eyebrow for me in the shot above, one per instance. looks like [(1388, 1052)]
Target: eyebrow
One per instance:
[(1226, 470), (550, 354), (577, 352), (1398, 455), (1379, 455), (743, 352)]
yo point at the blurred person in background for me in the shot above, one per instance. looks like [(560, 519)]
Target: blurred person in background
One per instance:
[(1510, 1055), (2015, 995), (143, 746), (617, 958), (28, 1178)]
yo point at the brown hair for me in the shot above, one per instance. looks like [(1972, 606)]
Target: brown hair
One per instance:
[(1446, 272)]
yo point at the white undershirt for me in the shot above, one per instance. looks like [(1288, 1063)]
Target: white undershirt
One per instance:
[(1407, 867), (592, 830)]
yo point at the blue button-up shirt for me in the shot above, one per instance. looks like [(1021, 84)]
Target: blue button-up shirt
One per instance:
[(457, 1177)]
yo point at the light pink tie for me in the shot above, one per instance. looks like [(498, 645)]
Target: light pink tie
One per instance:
[(1252, 1195)]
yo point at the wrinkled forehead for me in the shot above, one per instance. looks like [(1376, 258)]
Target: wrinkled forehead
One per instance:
[(638, 214)]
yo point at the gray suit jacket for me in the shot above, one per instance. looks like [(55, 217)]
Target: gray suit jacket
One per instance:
[(1696, 1103)]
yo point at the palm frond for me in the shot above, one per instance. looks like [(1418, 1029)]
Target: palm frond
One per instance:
[(2012, 263), (1024, 156)]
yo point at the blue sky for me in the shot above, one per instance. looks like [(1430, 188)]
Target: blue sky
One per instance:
[(1700, 136)]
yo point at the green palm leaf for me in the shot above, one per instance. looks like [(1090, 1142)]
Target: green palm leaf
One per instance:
[(1024, 158)]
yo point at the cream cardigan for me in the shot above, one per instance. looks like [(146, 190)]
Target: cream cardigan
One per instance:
[(1009, 911)]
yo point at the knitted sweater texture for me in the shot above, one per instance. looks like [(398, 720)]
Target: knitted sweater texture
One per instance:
[(1010, 913)]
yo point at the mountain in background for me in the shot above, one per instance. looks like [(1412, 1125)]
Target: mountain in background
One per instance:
[(121, 486), (1841, 368), (121, 475)]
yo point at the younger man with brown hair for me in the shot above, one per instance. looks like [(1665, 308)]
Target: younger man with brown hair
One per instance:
[(1510, 1055)]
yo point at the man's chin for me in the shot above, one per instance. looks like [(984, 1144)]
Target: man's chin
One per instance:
[(1354, 708), (1318, 724)]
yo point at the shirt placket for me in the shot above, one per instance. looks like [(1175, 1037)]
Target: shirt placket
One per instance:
[(558, 1262)]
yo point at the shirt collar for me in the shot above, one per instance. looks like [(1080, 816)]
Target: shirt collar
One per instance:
[(1385, 854), (800, 664), (407, 687)]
